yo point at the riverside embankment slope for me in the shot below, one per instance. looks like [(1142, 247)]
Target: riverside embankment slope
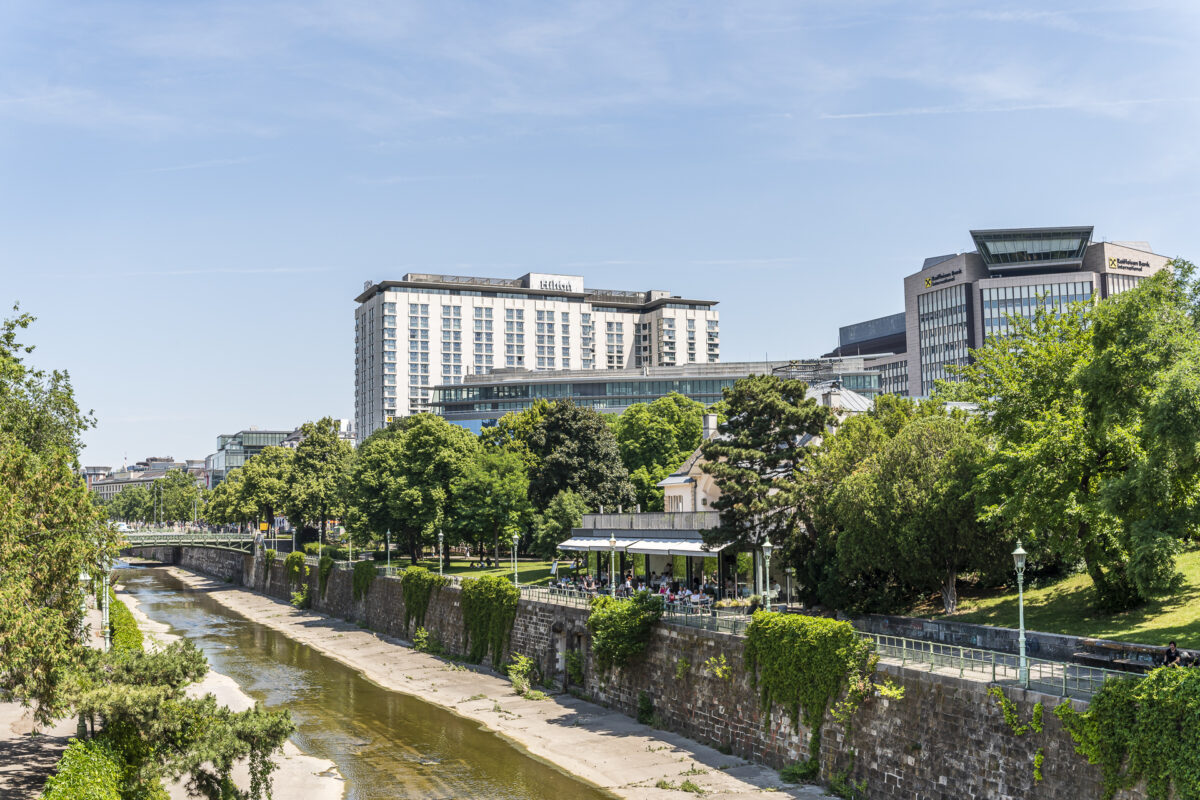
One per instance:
[(593, 743)]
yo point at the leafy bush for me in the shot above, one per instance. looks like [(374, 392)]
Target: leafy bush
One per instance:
[(301, 598), (364, 576), (312, 548), (425, 642), (294, 568), (800, 772), (574, 661), (489, 606), (522, 672), (681, 668), (418, 584), (645, 709), (621, 628), (718, 667), (122, 626), (87, 770), (803, 663), (269, 559), (324, 567)]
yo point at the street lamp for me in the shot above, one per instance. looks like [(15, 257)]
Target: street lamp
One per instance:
[(1019, 560), (612, 563), (767, 547), (789, 571), (440, 561), (387, 545), (516, 540)]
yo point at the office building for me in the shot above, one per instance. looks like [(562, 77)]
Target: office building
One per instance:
[(426, 331), (233, 449), (480, 400), (956, 302)]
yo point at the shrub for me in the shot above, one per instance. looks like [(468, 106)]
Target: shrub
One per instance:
[(800, 772), (312, 548), (522, 672), (418, 584), (489, 607), (294, 568), (300, 598), (681, 668), (645, 709), (323, 569), (621, 628), (269, 559), (87, 770), (574, 661), (425, 642), (718, 667), (364, 576), (122, 626)]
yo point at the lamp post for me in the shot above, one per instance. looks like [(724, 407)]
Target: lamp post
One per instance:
[(440, 560), (515, 540), (1019, 560), (789, 571), (612, 563), (387, 545), (767, 548)]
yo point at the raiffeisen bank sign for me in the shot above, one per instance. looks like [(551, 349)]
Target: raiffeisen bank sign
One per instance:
[(555, 283)]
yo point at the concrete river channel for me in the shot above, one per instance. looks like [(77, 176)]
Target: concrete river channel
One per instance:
[(386, 744)]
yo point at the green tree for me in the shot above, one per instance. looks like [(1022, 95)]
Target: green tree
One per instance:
[(513, 432), (131, 504), (489, 499), (402, 476), (158, 732), (911, 510), (565, 512), (320, 467), (654, 439), (50, 531), (577, 451), (176, 495), (228, 503), (266, 479), (764, 441)]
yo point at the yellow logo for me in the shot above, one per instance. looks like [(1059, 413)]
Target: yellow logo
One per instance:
[(928, 282), (1112, 263)]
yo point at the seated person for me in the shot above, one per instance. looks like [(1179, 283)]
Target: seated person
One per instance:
[(1172, 657)]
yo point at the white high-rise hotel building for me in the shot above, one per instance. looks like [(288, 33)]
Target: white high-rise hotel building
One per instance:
[(429, 330)]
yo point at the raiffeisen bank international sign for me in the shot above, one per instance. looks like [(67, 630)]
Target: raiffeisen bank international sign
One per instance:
[(556, 283), (1128, 263), (942, 277)]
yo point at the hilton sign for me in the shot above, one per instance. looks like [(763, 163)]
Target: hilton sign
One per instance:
[(555, 286)]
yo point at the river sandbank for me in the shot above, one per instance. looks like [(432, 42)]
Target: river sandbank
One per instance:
[(298, 774), (600, 746)]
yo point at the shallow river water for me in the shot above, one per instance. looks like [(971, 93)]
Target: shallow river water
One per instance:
[(386, 744)]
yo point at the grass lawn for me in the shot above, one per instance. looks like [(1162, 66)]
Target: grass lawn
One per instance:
[(1067, 607), (530, 573)]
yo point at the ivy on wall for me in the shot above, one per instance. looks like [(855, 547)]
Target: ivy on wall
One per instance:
[(364, 576), (1143, 728), (621, 628), (269, 560), (418, 584), (324, 567), (489, 608), (1013, 720), (803, 664), (294, 568)]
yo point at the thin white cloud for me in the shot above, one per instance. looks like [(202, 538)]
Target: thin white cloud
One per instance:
[(215, 162), (1081, 105), (175, 273)]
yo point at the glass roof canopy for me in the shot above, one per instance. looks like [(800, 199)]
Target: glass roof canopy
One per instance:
[(1028, 249)]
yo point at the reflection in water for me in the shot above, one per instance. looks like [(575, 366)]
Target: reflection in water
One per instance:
[(386, 744)]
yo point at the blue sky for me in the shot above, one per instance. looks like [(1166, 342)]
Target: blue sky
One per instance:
[(191, 194)]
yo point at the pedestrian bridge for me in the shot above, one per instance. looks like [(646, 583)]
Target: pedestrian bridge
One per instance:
[(227, 541)]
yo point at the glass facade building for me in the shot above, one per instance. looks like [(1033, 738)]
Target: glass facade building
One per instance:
[(944, 332), (233, 450), (1001, 303)]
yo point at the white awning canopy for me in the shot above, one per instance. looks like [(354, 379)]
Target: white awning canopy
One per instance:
[(590, 543), (669, 547)]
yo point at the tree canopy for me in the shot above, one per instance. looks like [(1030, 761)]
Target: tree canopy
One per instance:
[(655, 438), (319, 470), (576, 449)]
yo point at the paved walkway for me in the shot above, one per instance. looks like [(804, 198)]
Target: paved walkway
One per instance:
[(27, 759)]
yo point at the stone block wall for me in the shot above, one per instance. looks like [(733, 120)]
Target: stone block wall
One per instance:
[(945, 740)]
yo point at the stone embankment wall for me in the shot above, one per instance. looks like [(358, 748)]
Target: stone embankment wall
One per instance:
[(224, 564), (945, 740)]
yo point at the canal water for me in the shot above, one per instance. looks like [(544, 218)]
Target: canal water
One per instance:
[(386, 744)]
